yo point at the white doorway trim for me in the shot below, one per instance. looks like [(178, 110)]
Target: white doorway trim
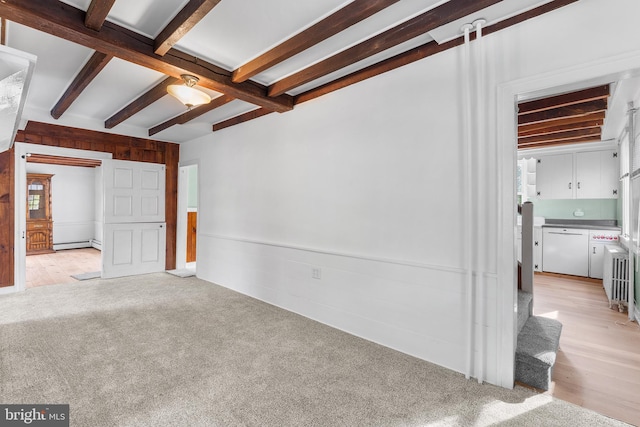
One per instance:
[(20, 190), (183, 208), (592, 73)]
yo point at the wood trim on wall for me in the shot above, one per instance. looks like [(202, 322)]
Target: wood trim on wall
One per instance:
[(7, 217), (121, 147)]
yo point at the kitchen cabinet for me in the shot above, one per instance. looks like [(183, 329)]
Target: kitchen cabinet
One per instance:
[(554, 177), (596, 260), (577, 251), (598, 239), (537, 249), (582, 175), (597, 175)]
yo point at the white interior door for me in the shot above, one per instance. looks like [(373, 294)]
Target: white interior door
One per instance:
[(134, 225)]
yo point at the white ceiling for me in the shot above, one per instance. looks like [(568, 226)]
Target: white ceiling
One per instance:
[(234, 32)]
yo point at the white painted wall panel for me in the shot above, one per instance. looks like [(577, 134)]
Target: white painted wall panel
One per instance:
[(350, 299), (134, 191), (133, 248), (73, 232), (365, 184)]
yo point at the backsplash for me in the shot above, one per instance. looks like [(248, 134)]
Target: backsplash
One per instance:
[(565, 209)]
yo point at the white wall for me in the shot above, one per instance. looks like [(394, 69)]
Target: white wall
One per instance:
[(72, 203), (365, 185)]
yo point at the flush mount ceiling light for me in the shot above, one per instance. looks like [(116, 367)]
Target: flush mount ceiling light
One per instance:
[(187, 93)]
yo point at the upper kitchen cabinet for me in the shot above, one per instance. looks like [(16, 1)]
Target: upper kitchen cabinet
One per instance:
[(581, 175), (554, 177), (597, 175)]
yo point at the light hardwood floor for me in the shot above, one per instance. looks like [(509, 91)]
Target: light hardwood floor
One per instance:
[(57, 267), (598, 364)]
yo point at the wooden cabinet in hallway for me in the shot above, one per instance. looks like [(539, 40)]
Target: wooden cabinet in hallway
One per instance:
[(39, 220)]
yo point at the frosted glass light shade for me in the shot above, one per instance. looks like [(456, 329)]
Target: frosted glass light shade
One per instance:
[(187, 94)]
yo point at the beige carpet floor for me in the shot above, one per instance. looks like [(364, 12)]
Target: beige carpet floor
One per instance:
[(159, 350)]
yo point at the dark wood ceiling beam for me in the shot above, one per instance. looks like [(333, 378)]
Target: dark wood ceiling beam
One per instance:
[(561, 136), (91, 69), (588, 124), (191, 114), (421, 52), (97, 13), (338, 21), (400, 60), (421, 24), (67, 22), (576, 110), (182, 23), (578, 97), (552, 143), (141, 103), (598, 116), (254, 114)]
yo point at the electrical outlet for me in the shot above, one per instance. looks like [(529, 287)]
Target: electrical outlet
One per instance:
[(316, 273)]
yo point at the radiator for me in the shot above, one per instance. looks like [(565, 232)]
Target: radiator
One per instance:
[(616, 276)]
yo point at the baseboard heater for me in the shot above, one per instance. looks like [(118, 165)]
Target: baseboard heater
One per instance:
[(96, 244), (616, 276), (71, 245)]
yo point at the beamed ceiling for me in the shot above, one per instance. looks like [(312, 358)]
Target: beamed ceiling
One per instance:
[(568, 118), (106, 64)]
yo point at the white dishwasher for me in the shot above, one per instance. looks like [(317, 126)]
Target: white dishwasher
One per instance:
[(565, 251)]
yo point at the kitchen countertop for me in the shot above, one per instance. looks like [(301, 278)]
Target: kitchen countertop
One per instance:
[(588, 224)]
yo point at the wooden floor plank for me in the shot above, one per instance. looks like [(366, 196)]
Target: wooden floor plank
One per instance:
[(598, 364), (57, 267)]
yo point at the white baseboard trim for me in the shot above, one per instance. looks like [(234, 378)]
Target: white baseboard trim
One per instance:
[(72, 245), (96, 244), (8, 290)]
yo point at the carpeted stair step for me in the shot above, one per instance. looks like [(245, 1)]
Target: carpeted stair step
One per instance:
[(538, 343), (525, 299)]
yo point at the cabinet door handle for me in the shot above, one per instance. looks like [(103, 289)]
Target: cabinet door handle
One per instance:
[(578, 185), (594, 250), (569, 186)]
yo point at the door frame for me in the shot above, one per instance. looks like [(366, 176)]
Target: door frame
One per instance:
[(22, 149), (183, 204), (604, 70)]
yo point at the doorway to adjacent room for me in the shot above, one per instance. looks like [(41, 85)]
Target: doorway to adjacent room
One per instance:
[(187, 227)]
